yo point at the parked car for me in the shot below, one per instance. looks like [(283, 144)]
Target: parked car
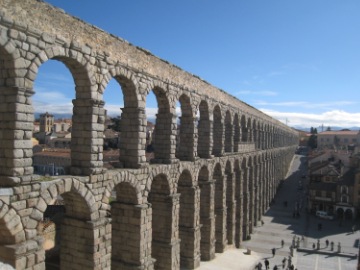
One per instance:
[(324, 215)]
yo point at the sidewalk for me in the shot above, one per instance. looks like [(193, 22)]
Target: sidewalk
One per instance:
[(232, 259)]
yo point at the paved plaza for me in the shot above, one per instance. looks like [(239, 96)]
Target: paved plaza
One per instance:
[(280, 224)]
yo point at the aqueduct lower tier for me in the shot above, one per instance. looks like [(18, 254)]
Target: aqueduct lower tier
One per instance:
[(207, 186)]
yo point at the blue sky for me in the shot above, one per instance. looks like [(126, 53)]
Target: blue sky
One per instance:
[(298, 61)]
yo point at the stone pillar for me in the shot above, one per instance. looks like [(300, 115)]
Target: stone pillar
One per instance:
[(24, 255), (251, 199), (204, 144), (239, 208), (87, 137), (231, 208), (85, 244), (246, 202), (16, 126), (189, 227), (165, 138), (133, 137), (221, 213), (207, 220), (186, 149), (229, 137), (131, 236), (237, 138), (165, 242)]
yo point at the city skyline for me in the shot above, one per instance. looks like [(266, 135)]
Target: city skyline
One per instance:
[(297, 62)]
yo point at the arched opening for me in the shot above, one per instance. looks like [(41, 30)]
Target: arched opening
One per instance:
[(53, 110), (64, 229), (218, 133), (128, 226), (220, 209), (228, 133), (162, 146), (121, 133), (162, 209), (249, 131), (207, 215), (11, 233), (244, 131), (204, 131), (185, 130), (189, 225), (255, 133), (236, 133)]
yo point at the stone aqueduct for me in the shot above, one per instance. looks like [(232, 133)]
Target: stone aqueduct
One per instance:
[(180, 208)]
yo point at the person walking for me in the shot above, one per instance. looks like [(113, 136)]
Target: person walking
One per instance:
[(273, 251), (275, 267), (267, 264), (282, 243), (283, 263)]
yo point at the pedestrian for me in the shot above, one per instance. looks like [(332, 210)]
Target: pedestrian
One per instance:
[(259, 266), (327, 243), (313, 245), (275, 268), (332, 245), (282, 242), (283, 263), (266, 264), (273, 251)]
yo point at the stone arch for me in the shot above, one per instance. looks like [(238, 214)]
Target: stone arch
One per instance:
[(185, 141), (75, 224), (11, 233), (164, 135), (79, 199), (229, 132), (244, 130), (129, 182), (189, 223), (204, 131), (230, 203), (249, 130), (237, 133), (255, 132), (131, 144), (83, 162), (218, 132), (164, 214), (11, 227), (220, 208), (128, 212)]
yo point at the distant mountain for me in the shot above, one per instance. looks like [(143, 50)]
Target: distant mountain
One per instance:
[(320, 129), (56, 115)]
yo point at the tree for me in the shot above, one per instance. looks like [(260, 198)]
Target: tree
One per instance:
[(115, 123), (312, 142), (328, 128)]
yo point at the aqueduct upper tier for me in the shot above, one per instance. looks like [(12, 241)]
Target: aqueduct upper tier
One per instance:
[(210, 180)]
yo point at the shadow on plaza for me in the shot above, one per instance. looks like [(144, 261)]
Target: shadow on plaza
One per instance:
[(290, 197)]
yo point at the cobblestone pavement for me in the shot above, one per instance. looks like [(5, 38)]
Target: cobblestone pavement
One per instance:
[(280, 224)]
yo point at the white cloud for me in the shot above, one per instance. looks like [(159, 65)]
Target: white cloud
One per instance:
[(333, 118)]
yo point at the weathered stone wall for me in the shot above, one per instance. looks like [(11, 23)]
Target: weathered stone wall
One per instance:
[(207, 186)]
